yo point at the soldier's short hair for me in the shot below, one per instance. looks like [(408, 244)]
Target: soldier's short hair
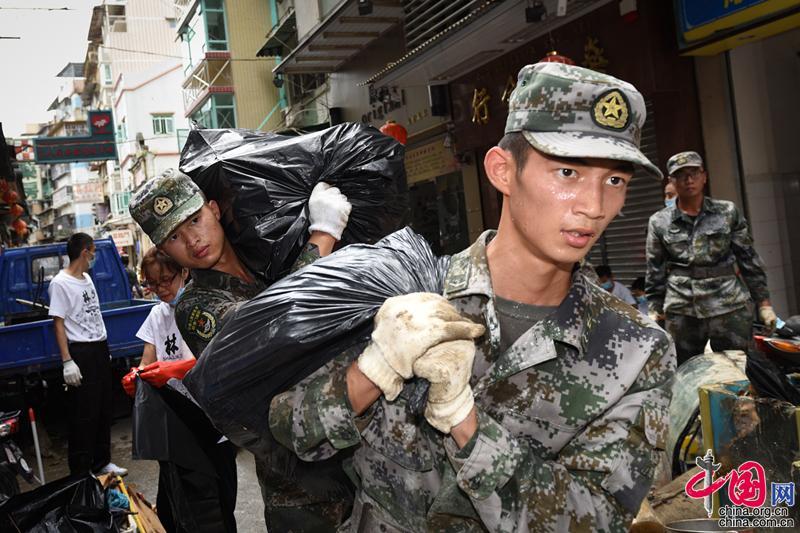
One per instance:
[(518, 146)]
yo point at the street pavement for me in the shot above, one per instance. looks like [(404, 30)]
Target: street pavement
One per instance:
[(143, 475)]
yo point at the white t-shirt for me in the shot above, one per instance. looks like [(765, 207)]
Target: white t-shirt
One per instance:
[(75, 301), (622, 292), (160, 330)]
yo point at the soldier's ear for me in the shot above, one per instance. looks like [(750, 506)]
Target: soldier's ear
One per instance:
[(214, 208), (500, 168)]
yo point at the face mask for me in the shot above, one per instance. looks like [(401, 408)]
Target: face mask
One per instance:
[(641, 299), (174, 301), (670, 202), (608, 285), (92, 262)]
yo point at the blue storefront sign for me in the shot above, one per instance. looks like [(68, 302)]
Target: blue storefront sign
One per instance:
[(99, 145)]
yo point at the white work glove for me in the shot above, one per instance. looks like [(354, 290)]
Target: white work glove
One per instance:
[(448, 367), (405, 328), (768, 317), (328, 210), (655, 316), (72, 374)]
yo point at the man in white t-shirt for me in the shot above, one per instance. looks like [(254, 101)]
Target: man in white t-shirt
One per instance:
[(606, 280), (81, 337)]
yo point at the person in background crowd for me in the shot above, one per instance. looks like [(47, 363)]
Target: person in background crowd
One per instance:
[(703, 274), (174, 213), (606, 280), (81, 337), (548, 397), (163, 343), (133, 279), (637, 290), (670, 194)]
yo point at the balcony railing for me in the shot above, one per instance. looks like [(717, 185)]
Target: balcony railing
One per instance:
[(213, 71)]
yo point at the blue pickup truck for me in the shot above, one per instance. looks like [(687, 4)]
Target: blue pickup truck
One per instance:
[(27, 340)]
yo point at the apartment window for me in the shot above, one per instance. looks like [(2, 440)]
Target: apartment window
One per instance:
[(163, 124), (117, 22), (106, 77), (122, 131), (216, 32), (219, 111)]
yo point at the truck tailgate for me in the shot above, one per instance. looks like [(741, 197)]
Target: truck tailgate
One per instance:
[(34, 344)]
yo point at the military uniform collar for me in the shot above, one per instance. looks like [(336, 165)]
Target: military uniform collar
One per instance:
[(468, 275), (709, 206), (216, 279)]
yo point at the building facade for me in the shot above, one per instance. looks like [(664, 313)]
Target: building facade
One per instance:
[(133, 68), (224, 84)]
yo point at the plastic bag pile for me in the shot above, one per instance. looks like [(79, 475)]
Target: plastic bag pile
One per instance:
[(299, 324), (262, 183)]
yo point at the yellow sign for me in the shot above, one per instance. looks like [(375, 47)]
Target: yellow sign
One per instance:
[(611, 110), (429, 161)]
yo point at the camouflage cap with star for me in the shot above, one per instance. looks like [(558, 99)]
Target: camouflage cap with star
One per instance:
[(163, 203), (570, 111), (682, 160)]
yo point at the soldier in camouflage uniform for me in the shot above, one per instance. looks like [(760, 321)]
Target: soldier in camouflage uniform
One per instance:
[(694, 249), (548, 399), (172, 210)]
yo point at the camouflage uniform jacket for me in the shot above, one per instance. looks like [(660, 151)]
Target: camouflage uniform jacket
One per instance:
[(718, 236), (570, 420), (211, 295)]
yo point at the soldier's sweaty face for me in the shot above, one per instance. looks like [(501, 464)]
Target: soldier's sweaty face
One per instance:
[(199, 241), (559, 207)]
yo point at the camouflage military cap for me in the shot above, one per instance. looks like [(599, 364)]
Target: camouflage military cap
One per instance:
[(683, 159), (570, 111), (163, 203)]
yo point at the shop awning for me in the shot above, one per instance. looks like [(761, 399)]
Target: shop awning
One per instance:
[(462, 46), (284, 32), (340, 36)]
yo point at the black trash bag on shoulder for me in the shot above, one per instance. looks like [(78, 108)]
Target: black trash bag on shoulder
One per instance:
[(263, 181), (74, 503), (299, 324)]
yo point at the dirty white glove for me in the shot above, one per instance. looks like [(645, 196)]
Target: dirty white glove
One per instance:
[(328, 210), (768, 316), (72, 374), (448, 367), (655, 316), (405, 328)]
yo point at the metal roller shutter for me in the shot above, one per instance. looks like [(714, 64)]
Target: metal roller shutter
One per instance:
[(622, 246)]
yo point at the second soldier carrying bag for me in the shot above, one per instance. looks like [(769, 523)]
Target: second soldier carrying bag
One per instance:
[(299, 324), (262, 183)]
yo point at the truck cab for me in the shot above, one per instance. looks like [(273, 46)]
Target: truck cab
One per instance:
[(27, 338)]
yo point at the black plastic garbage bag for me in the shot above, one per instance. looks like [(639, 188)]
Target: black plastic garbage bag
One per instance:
[(769, 380), (299, 324), (71, 504), (197, 472), (263, 181)]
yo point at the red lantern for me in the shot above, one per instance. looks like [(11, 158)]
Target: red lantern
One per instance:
[(20, 227), (555, 57), (393, 129), (10, 197), (16, 210)]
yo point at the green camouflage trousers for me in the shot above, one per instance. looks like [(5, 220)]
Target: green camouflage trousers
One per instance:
[(731, 331), (302, 497)]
